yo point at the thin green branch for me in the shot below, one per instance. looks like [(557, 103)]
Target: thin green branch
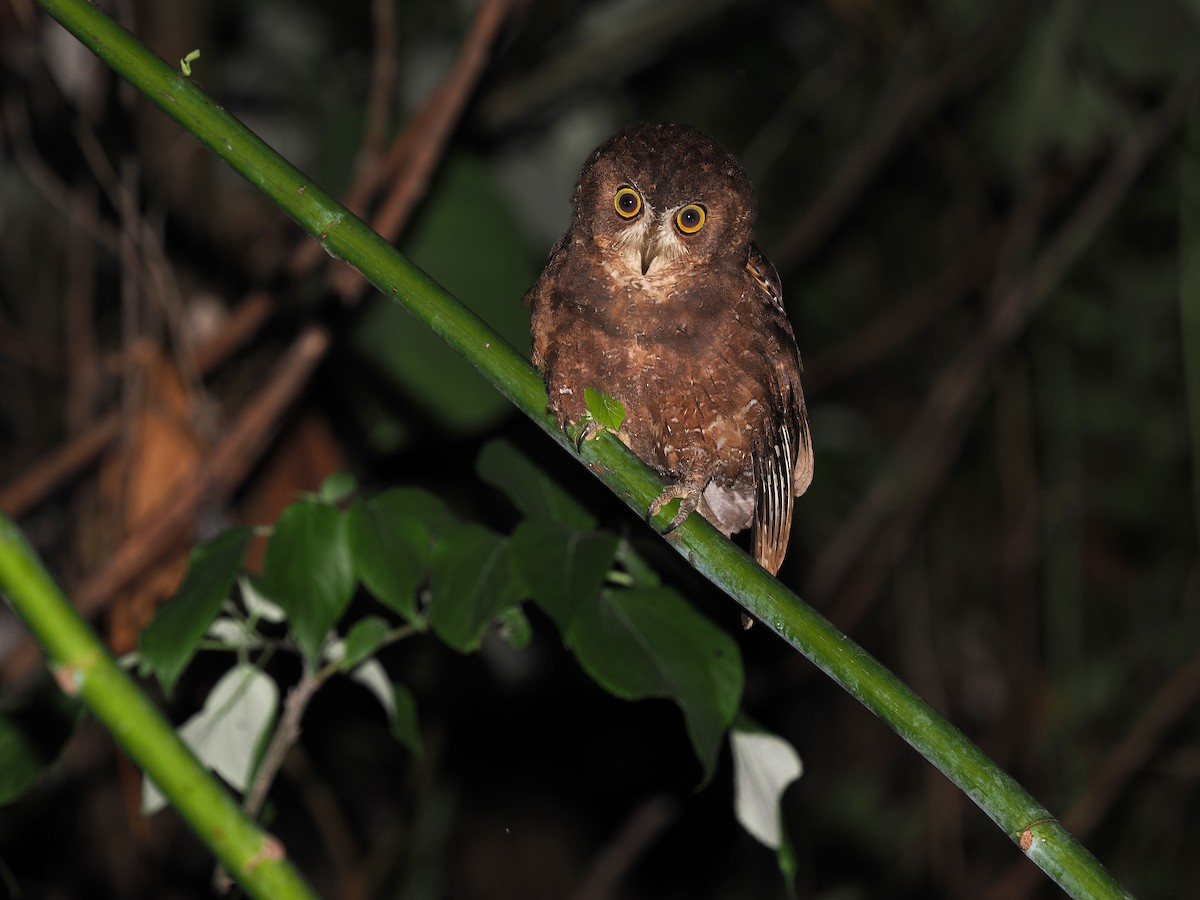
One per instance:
[(84, 668), (342, 235)]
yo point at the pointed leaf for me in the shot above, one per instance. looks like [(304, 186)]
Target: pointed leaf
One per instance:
[(562, 568), (233, 634), (338, 486), (307, 570), (397, 702), (466, 207), (258, 606), (364, 639), (515, 629), (763, 767), (32, 737), (227, 733), (649, 642), (420, 505), (472, 579), (390, 547), (505, 468), (168, 643), (20, 762), (604, 408)]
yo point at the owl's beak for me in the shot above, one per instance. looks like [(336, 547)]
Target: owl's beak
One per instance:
[(649, 250), (652, 245)]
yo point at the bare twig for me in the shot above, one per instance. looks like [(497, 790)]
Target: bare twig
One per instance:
[(901, 111), (383, 73), (425, 137), (286, 733), (595, 55), (83, 355), (330, 821), (933, 440), (42, 178), (636, 835), (172, 520), (32, 486), (904, 319), (1174, 700)]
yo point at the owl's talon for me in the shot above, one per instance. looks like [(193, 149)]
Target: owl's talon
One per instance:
[(688, 497), (591, 428)]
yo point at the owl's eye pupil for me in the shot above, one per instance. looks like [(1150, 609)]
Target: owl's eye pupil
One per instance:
[(627, 202), (691, 218)]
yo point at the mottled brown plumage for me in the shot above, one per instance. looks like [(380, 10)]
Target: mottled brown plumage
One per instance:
[(658, 295)]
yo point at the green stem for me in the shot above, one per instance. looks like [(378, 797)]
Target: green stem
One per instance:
[(342, 235), (84, 668)]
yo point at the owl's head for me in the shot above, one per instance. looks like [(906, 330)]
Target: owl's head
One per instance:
[(661, 199)]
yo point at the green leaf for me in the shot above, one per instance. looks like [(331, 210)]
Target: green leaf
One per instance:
[(604, 408), (364, 638), (390, 546), (515, 629), (649, 642), (20, 762), (640, 571), (562, 568), (505, 468), (469, 240), (168, 643), (32, 737), (338, 486), (472, 579), (396, 701), (1045, 102), (227, 733), (424, 507), (308, 571), (763, 766)]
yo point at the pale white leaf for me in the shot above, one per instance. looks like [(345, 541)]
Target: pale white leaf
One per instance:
[(257, 605), (763, 766), (232, 633), (333, 650), (373, 677), (227, 732)]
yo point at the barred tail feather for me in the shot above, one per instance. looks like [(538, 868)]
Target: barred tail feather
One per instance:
[(773, 471)]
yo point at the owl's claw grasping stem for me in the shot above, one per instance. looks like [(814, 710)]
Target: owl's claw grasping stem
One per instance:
[(688, 496), (588, 432)]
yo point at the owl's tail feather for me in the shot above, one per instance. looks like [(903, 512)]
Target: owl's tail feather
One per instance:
[(773, 466)]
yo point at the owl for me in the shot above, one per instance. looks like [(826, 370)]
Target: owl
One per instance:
[(658, 295)]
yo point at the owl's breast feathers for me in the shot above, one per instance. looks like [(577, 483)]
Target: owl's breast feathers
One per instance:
[(707, 367)]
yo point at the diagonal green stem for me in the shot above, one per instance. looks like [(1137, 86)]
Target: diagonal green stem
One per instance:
[(342, 235), (83, 667)]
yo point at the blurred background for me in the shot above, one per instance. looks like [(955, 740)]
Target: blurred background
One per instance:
[(975, 209)]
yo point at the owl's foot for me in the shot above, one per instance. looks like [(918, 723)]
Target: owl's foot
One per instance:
[(588, 432), (688, 496)]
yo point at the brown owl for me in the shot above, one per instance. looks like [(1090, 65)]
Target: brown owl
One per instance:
[(658, 295)]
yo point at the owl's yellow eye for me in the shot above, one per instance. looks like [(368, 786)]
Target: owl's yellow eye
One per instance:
[(627, 202), (690, 219)]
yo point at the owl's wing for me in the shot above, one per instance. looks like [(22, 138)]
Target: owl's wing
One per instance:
[(539, 297), (783, 459)]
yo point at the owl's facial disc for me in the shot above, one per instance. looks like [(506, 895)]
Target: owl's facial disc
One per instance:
[(651, 244), (661, 246)]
